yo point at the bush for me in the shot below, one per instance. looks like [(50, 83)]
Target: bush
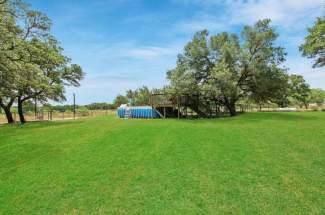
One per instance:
[(83, 111)]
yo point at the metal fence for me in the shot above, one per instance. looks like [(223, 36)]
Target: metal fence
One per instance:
[(69, 115)]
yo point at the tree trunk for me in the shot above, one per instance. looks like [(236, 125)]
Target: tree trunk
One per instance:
[(306, 105), (232, 109), (20, 111), (7, 111), (9, 116)]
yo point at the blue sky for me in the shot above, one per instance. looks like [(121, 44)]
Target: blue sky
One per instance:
[(124, 44)]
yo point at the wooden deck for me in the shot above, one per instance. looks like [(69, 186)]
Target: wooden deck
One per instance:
[(183, 106)]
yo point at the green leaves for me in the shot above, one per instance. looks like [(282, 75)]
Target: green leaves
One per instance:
[(182, 78), (226, 68), (120, 100), (259, 44), (32, 63), (314, 45), (73, 75), (140, 96), (317, 96), (300, 89)]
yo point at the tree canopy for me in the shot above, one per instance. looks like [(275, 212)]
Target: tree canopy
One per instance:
[(32, 64), (314, 45), (227, 67), (120, 99), (317, 96), (140, 96), (300, 90)]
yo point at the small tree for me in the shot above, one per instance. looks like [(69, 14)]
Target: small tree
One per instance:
[(300, 90), (130, 94), (120, 100), (140, 96), (317, 96)]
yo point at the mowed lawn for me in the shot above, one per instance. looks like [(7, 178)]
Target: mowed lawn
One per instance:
[(256, 163)]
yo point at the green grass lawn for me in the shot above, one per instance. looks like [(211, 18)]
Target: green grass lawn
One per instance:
[(258, 163)]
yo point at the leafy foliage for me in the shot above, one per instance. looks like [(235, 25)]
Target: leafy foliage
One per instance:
[(120, 99), (300, 90), (317, 96), (140, 96), (32, 64), (314, 45), (100, 106), (226, 68)]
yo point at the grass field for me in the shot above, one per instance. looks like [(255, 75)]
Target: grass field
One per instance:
[(257, 163)]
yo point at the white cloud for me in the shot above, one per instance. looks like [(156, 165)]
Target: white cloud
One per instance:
[(292, 16), (288, 13), (200, 22), (104, 88), (202, 2), (149, 52), (115, 64), (129, 50), (284, 12), (113, 68), (302, 66)]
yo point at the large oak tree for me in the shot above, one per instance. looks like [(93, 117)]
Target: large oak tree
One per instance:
[(31, 64), (227, 68)]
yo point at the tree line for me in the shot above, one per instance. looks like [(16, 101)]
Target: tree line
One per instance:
[(32, 63), (248, 68), (226, 68)]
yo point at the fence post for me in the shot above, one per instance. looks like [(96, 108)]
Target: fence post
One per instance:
[(164, 112), (74, 106)]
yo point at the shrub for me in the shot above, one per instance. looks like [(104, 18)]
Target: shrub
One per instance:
[(83, 111)]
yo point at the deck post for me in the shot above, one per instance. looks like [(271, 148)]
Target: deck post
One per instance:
[(151, 103)]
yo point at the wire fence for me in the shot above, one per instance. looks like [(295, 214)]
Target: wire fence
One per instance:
[(57, 115), (69, 115)]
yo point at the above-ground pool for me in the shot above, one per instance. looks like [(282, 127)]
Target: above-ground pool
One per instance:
[(137, 112)]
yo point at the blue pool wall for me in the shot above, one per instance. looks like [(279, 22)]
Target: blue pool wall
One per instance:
[(145, 112)]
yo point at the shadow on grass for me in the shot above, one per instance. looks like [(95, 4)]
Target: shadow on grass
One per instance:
[(41, 124), (282, 116), (258, 117)]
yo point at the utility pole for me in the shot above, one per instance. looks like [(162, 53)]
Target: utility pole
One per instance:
[(74, 106)]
